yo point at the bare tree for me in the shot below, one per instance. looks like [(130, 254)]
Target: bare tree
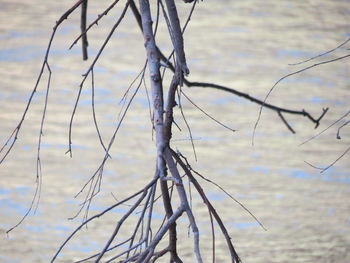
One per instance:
[(146, 242)]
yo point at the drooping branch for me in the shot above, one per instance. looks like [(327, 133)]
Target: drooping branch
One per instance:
[(119, 224), (289, 75), (279, 110), (97, 176), (115, 26), (234, 256), (323, 169), (158, 124), (10, 142), (156, 82), (184, 202)]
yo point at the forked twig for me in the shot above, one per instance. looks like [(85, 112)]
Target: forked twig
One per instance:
[(287, 76)]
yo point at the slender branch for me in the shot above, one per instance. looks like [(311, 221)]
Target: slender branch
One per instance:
[(187, 126), (119, 224), (223, 190), (234, 256), (277, 109), (95, 22), (205, 113), (322, 54), (177, 37), (83, 29), (190, 84), (10, 142), (101, 214), (323, 169), (111, 248), (287, 76), (184, 201), (144, 256), (94, 111), (334, 123), (99, 171), (87, 74), (285, 122)]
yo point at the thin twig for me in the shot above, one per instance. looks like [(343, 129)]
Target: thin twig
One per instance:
[(205, 113), (330, 165), (322, 54), (95, 22), (119, 224), (87, 74), (234, 256), (10, 142), (223, 190), (187, 125), (318, 134), (287, 76), (101, 214), (342, 126), (94, 111)]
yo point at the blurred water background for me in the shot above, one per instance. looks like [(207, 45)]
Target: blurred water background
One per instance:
[(246, 45)]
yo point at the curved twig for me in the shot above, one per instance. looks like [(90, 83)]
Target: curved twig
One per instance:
[(87, 74), (322, 54), (287, 76)]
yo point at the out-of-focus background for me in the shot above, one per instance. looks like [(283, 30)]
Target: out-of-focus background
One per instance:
[(246, 45)]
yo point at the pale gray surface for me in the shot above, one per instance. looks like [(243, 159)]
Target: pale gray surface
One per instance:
[(242, 44)]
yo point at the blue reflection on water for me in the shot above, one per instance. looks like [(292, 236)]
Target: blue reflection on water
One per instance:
[(62, 228), (100, 69), (25, 53), (319, 100), (306, 79), (36, 228), (88, 247), (16, 34), (331, 175), (212, 196), (7, 203), (64, 146), (4, 191), (294, 53), (20, 54), (19, 208), (243, 225), (236, 29), (260, 169), (26, 147), (8, 260)]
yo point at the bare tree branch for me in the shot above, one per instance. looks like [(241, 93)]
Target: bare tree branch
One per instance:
[(322, 54), (287, 76)]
